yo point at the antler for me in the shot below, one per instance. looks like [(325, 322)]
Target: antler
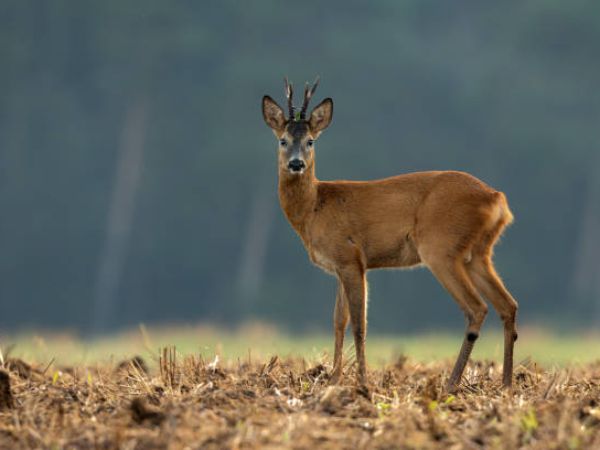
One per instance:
[(289, 93), (308, 93)]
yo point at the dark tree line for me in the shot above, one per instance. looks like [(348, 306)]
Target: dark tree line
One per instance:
[(137, 180)]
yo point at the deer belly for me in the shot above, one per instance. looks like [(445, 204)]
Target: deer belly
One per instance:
[(402, 253), (321, 260)]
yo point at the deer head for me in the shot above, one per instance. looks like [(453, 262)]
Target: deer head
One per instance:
[(296, 134)]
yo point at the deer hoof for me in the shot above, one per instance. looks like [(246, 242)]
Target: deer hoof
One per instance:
[(335, 378), (363, 389)]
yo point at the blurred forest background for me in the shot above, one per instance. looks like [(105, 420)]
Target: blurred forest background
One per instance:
[(138, 180)]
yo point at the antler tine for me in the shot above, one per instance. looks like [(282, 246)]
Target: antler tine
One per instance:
[(308, 93), (289, 93)]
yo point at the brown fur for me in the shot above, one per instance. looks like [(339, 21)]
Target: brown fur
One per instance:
[(448, 221)]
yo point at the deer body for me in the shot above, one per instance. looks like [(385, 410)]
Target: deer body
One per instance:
[(385, 220), (448, 221)]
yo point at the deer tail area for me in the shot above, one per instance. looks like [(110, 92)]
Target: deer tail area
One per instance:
[(499, 214)]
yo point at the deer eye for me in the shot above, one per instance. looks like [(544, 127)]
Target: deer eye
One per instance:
[(310, 143), (283, 142)]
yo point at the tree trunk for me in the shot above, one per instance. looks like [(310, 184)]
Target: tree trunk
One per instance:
[(120, 217)]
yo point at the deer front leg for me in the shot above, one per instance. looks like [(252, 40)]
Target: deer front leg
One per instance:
[(341, 315), (354, 286)]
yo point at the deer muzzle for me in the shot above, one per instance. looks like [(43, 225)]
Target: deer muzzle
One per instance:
[(296, 165)]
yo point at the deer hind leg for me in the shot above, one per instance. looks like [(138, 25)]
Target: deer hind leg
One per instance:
[(355, 286), (452, 274), (341, 316), (490, 285)]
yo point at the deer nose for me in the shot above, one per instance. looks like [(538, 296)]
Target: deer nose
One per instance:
[(296, 165)]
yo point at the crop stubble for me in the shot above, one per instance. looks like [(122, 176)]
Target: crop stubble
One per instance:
[(188, 402)]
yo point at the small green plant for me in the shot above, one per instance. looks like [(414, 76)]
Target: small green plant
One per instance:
[(573, 443), (383, 407), (529, 423)]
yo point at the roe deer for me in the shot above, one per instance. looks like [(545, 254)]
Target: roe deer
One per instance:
[(448, 221)]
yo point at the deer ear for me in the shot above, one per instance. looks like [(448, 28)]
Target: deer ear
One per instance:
[(321, 116), (273, 114)]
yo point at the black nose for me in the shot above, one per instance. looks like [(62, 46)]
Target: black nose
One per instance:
[(296, 165)]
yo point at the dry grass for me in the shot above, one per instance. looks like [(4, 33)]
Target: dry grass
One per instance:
[(184, 401)]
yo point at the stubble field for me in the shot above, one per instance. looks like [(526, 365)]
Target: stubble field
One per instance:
[(173, 401)]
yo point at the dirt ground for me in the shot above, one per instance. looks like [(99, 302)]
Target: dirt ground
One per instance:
[(192, 403)]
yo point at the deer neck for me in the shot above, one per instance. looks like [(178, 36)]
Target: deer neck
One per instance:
[(298, 196)]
